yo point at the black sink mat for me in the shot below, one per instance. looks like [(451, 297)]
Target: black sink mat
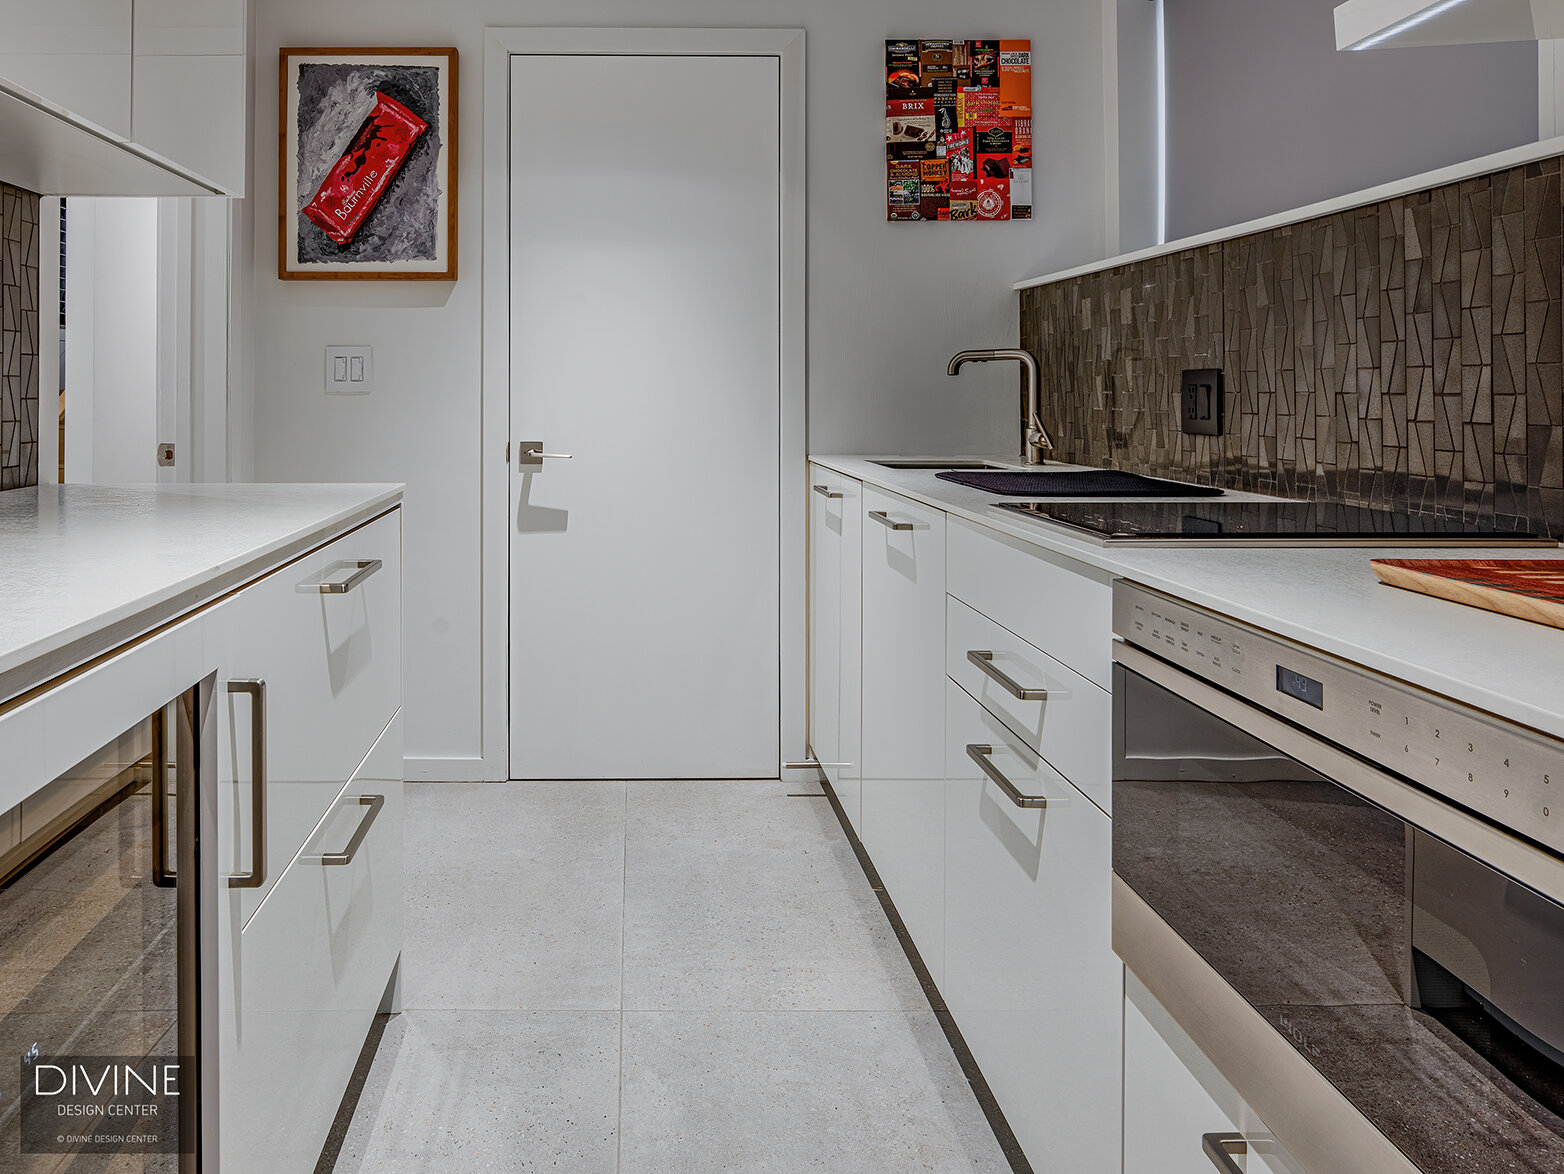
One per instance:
[(1075, 483)]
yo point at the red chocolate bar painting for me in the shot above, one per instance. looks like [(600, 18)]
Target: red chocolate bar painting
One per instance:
[(361, 175)]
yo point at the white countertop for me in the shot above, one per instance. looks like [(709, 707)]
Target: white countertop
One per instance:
[(1325, 597), (84, 568)]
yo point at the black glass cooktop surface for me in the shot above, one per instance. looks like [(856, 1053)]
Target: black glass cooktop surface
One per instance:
[(1282, 523)]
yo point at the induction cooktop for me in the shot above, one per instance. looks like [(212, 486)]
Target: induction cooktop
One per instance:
[(1266, 523)]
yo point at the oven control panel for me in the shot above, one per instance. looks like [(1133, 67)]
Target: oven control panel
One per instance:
[(1507, 772)]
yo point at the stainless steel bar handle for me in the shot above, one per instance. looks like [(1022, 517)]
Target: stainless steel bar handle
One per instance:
[(256, 877), (985, 662), (362, 568), (374, 803), (824, 491), (809, 762), (980, 755), (1224, 1149), (163, 876), (880, 517)]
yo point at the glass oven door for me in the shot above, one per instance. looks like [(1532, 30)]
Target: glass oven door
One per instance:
[(1425, 985)]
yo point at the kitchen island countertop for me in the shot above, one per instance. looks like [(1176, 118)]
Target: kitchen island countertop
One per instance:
[(85, 569)]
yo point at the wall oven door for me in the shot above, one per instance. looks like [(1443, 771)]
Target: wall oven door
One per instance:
[(1410, 953)]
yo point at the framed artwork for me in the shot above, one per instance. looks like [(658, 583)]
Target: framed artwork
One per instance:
[(367, 172), (958, 130)]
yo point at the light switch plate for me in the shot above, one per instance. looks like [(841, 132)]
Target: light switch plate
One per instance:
[(349, 370)]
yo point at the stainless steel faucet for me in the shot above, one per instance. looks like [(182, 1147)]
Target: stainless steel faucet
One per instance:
[(1036, 440)]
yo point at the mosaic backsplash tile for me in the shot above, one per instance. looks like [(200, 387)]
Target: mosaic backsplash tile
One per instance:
[(18, 338), (1408, 353)]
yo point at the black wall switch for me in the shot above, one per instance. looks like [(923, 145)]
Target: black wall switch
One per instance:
[(1200, 411)]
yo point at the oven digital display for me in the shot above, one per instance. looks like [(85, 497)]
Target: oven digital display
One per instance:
[(1305, 689)]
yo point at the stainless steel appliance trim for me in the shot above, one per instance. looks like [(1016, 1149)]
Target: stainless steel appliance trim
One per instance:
[(255, 689), (1224, 1149), (1499, 849), (1318, 1126), (980, 755), (374, 803), (881, 517), (827, 492), (362, 569), (985, 663)]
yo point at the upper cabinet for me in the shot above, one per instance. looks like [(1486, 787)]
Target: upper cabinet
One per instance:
[(1371, 24), (187, 86), (73, 54), (123, 97)]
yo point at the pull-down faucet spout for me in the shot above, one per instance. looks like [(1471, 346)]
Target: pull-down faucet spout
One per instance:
[(1036, 439)]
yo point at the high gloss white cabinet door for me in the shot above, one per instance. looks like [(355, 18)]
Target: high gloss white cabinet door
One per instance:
[(300, 985), (73, 53), (1173, 1096), (903, 800), (835, 635), (188, 82), (1030, 973)]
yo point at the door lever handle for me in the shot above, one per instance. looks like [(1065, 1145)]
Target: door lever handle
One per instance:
[(530, 453)]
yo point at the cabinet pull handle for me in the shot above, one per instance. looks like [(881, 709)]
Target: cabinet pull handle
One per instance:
[(362, 569), (823, 491), (374, 803), (1223, 1149), (980, 755), (256, 877), (163, 876), (880, 517), (985, 663)]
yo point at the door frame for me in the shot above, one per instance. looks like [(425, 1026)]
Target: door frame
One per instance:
[(500, 45)]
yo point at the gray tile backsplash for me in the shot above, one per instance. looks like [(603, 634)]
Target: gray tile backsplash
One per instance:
[(18, 338), (1406, 353)]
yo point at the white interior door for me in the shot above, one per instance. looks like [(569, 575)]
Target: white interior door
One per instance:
[(645, 206)]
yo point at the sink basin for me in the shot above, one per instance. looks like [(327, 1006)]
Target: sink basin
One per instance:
[(1110, 483), (931, 464)]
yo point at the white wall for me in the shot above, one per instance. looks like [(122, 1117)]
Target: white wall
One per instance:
[(889, 303), (1264, 115), (111, 339)]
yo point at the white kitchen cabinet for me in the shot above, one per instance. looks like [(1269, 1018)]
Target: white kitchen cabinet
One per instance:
[(73, 54), (903, 802), (309, 972), (1030, 973), (1173, 1096), (835, 636), (188, 86), (332, 671)]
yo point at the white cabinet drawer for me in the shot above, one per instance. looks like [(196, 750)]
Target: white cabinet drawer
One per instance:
[(835, 639), (306, 976), (1030, 973), (1054, 603), (1174, 1095), (1071, 728), (902, 803), (332, 668)]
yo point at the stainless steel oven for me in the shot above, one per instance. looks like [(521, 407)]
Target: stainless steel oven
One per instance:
[(1348, 891)]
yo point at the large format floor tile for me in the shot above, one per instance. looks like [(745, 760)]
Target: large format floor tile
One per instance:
[(514, 895), (739, 897), (489, 1091), (838, 1092)]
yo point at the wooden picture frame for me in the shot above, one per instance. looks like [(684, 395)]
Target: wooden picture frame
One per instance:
[(366, 168)]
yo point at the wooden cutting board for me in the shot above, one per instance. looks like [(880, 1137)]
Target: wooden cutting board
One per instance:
[(1529, 589)]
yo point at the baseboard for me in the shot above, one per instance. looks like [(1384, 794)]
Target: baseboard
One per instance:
[(464, 769)]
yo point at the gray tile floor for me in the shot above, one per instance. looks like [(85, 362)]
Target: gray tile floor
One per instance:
[(650, 977)]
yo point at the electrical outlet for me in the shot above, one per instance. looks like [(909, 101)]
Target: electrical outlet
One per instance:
[(1201, 402), (349, 370)]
